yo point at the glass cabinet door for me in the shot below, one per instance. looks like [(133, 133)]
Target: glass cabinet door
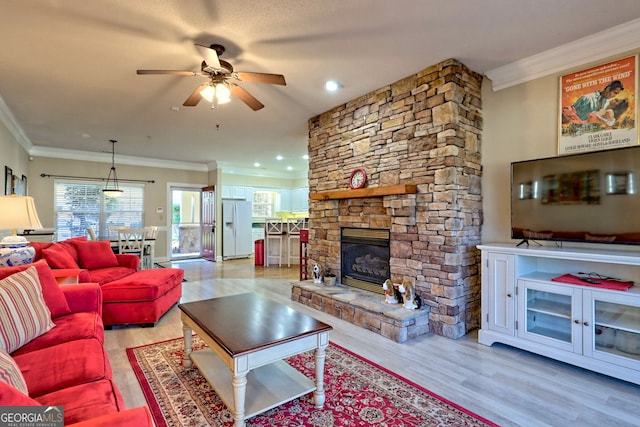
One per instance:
[(616, 329), (551, 315)]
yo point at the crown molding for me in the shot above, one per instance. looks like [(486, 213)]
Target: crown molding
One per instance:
[(9, 120), (89, 156), (620, 39), (228, 168)]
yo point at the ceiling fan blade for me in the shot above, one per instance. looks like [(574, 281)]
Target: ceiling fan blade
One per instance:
[(210, 56), (246, 97), (274, 79), (195, 97), (173, 72)]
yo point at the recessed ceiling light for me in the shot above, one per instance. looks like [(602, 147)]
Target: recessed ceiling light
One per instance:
[(279, 157), (289, 168), (331, 86), (256, 164), (306, 157)]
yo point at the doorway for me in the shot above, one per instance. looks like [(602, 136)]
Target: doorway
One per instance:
[(185, 237)]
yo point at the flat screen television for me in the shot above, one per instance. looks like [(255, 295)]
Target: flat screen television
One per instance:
[(587, 197)]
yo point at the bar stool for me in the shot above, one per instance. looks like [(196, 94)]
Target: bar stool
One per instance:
[(294, 225), (273, 233)]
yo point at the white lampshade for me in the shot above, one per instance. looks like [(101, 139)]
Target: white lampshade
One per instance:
[(17, 212)]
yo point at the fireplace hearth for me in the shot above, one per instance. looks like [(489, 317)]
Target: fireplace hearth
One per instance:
[(364, 255)]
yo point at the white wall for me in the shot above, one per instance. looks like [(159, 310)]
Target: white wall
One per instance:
[(520, 123)]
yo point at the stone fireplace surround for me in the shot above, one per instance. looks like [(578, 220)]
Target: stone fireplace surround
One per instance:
[(423, 131)]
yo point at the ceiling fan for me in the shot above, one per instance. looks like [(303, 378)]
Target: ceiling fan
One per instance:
[(221, 79)]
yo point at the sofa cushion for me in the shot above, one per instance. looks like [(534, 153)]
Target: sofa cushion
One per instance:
[(10, 373), (98, 398), (23, 313), (103, 276), (74, 326), (58, 257), (51, 291), (96, 254), (145, 285), (64, 365), (11, 396)]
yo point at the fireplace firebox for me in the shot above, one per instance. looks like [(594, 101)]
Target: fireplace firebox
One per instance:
[(364, 255)]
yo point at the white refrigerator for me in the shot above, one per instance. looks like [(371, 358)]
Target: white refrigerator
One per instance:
[(236, 234)]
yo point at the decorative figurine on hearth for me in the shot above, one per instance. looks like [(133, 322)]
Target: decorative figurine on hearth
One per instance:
[(317, 274), (389, 292), (411, 301)]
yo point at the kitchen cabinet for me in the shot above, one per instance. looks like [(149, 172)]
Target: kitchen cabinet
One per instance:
[(237, 192), (587, 326)]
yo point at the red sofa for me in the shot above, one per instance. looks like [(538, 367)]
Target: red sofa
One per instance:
[(68, 364), (95, 259), (129, 296)]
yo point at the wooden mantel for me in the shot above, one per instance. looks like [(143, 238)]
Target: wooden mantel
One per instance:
[(366, 192)]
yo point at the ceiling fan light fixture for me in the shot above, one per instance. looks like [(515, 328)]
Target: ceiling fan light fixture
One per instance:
[(208, 93), (223, 94), (113, 190)]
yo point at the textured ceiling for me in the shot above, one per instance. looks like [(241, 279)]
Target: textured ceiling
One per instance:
[(69, 78)]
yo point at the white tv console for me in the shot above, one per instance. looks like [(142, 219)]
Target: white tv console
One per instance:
[(590, 327)]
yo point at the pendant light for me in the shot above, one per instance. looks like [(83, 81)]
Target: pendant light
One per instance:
[(113, 190)]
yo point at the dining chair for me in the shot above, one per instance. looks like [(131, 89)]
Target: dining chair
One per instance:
[(92, 234), (273, 235), (151, 234), (112, 231), (132, 241)]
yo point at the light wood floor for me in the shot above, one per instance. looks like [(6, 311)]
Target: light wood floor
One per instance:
[(506, 385)]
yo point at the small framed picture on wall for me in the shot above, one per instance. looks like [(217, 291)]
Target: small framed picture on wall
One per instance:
[(8, 180), (20, 185)]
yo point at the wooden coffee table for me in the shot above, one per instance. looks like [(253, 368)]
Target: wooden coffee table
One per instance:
[(248, 338)]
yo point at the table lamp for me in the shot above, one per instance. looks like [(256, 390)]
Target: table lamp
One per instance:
[(17, 212)]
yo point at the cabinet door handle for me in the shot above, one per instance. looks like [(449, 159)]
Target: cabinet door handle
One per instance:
[(586, 323), (509, 295), (577, 322)]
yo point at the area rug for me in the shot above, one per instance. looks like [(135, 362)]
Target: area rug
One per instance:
[(358, 393)]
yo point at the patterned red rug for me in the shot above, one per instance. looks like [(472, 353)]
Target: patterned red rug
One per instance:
[(358, 393)]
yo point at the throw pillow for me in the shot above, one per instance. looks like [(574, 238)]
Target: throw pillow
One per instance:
[(39, 246), (96, 254), (70, 245), (24, 315), (58, 257), (10, 373), (53, 295)]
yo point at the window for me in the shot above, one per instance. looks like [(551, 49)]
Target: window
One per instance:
[(264, 203), (79, 206)]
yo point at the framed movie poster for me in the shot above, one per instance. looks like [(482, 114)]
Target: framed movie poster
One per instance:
[(598, 109)]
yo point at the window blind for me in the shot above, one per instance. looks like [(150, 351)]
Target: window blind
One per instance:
[(80, 205)]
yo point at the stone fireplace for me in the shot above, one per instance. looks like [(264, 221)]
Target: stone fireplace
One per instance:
[(419, 141)]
